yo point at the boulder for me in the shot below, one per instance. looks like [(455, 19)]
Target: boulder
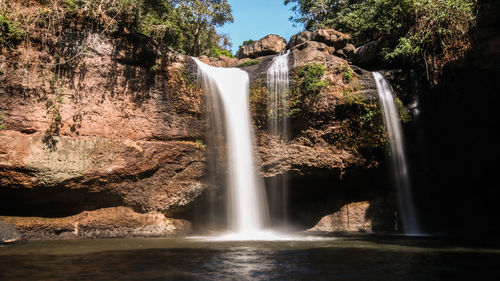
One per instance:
[(367, 54), (313, 52), (269, 45), (349, 50), (330, 37), (300, 38), (8, 233), (362, 217)]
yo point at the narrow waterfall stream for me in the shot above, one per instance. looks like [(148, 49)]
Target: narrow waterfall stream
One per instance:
[(278, 87), (278, 111), (247, 205), (399, 164)]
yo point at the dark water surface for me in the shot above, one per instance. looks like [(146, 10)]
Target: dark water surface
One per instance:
[(343, 258)]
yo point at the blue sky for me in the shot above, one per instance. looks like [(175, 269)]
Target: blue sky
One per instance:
[(254, 19)]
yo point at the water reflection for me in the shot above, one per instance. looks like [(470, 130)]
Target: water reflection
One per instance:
[(348, 258), (244, 263)]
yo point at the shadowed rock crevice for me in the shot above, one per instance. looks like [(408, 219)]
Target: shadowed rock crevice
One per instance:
[(53, 202), (317, 193)]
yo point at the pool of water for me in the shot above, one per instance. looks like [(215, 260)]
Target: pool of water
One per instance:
[(303, 258)]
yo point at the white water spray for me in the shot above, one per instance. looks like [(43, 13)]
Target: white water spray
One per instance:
[(399, 166), (247, 206)]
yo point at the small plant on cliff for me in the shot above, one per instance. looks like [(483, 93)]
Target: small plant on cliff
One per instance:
[(10, 34), (156, 67), (311, 78), (404, 116), (308, 83), (361, 126), (2, 120), (200, 143), (53, 106), (249, 63), (258, 103), (346, 71)]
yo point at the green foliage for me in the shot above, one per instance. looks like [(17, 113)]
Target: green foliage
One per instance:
[(200, 143), (424, 33), (188, 26), (346, 71), (311, 78), (247, 42), (10, 34), (218, 52), (199, 18), (308, 83), (361, 126), (2, 120), (55, 122), (438, 35), (156, 67), (404, 116), (258, 103), (249, 63)]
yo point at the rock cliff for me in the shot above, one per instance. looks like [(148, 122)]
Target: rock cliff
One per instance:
[(105, 135)]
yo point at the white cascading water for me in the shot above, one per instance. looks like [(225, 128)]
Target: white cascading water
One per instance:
[(399, 164), (277, 110), (278, 87), (247, 206)]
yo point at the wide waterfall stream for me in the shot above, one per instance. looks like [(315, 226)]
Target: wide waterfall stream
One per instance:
[(247, 209), (398, 157)]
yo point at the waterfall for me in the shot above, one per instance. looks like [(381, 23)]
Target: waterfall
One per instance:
[(278, 87), (277, 109), (247, 206), (399, 164)]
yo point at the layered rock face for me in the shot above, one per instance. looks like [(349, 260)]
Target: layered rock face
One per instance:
[(102, 223), (121, 125), (113, 142), (335, 152)]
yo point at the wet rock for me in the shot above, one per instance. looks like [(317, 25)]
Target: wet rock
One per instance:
[(360, 217), (269, 45), (8, 233), (102, 223)]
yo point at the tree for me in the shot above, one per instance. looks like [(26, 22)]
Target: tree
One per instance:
[(425, 34), (314, 14), (200, 17)]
